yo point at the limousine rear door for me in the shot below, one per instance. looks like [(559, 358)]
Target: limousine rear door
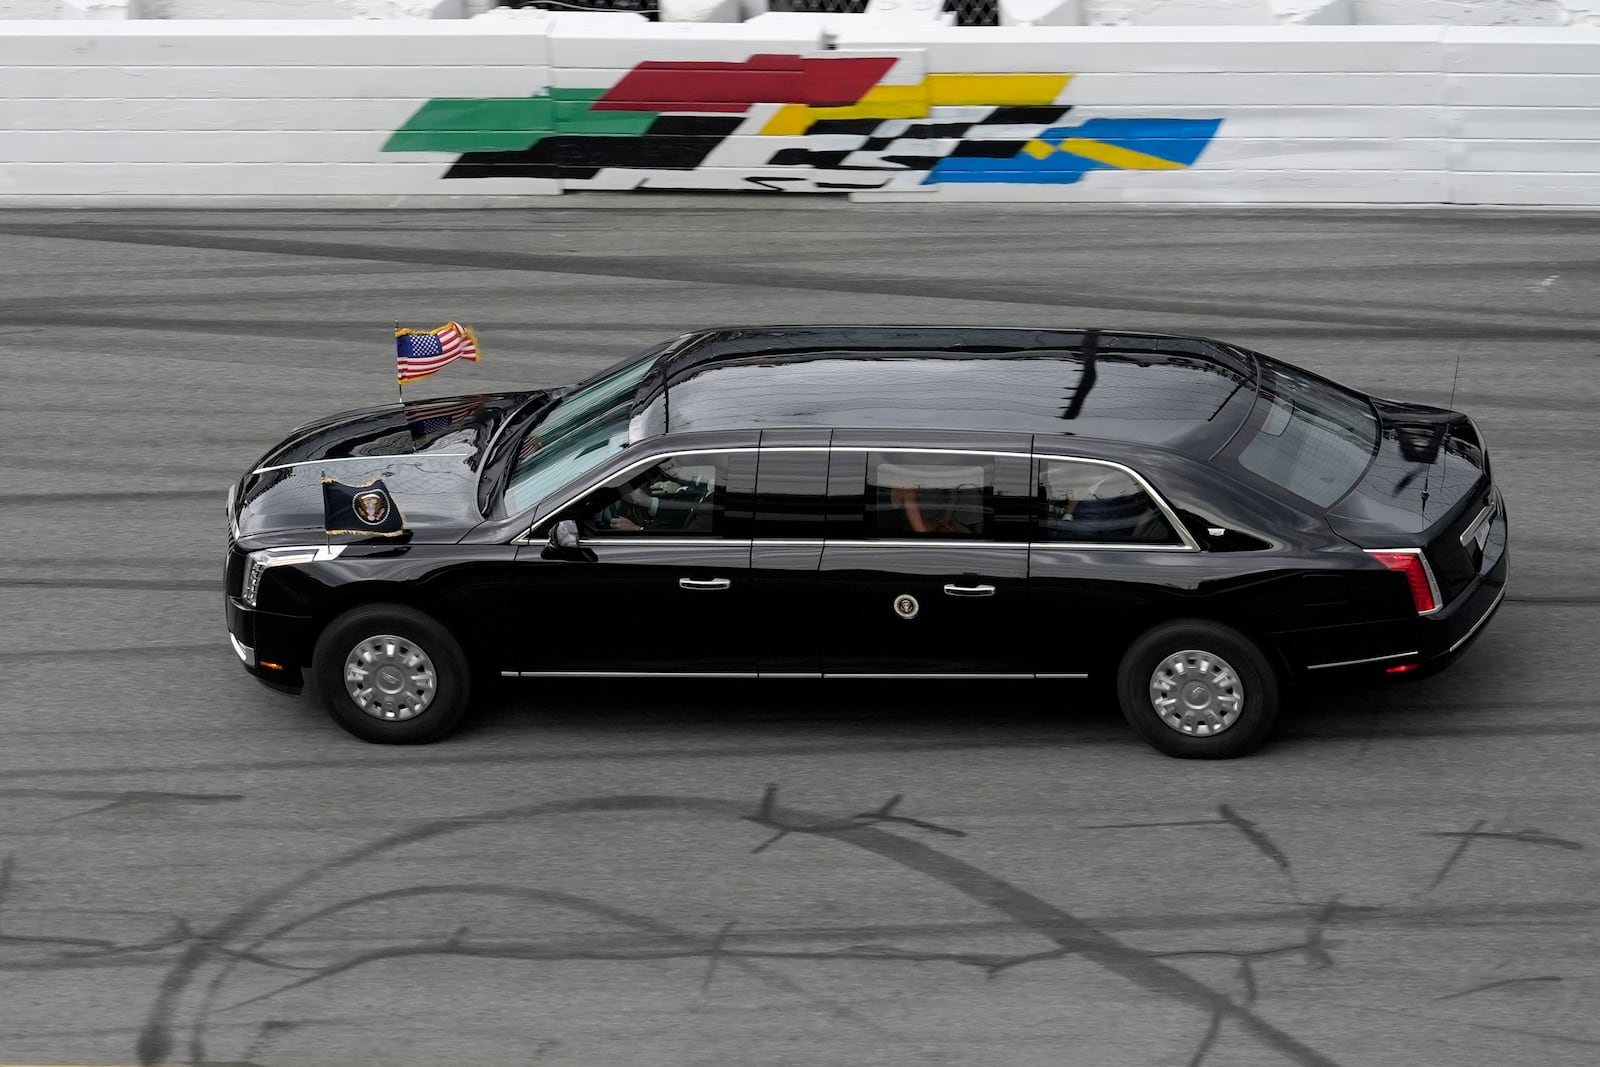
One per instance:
[(925, 569)]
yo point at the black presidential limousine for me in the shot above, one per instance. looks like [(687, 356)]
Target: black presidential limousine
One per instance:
[(1199, 524)]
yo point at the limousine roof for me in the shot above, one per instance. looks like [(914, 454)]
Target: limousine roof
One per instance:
[(1153, 389)]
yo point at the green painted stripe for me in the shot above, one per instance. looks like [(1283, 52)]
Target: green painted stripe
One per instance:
[(491, 124), (458, 141), (509, 124), (574, 116)]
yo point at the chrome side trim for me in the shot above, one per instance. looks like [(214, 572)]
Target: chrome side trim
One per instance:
[(903, 450), (1479, 624), (243, 651), (365, 459), (665, 542), (789, 674), (1060, 676), (1108, 546), (628, 674), (914, 542), (754, 674), (906, 542), (1483, 516), (931, 677), (1358, 662)]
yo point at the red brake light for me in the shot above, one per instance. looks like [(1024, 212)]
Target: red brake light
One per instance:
[(1402, 668), (1415, 568)]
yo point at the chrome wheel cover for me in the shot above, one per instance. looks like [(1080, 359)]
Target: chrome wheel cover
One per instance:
[(390, 678), (1196, 693)]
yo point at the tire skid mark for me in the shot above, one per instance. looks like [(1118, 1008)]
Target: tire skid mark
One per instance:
[(155, 1043), (123, 799), (547, 897), (1450, 861), (1502, 983)]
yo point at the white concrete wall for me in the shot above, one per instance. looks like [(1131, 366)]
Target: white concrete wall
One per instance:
[(1198, 115)]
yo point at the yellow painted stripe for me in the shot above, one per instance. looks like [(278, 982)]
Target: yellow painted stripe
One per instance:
[(791, 120), (879, 102), (995, 90), (1117, 156)]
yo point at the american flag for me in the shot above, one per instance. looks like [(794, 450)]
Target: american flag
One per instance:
[(422, 353)]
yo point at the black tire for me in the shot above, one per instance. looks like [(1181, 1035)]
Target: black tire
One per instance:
[(1255, 682), (452, 688)]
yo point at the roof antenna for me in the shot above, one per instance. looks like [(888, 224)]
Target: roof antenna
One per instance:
[(1444, 440)]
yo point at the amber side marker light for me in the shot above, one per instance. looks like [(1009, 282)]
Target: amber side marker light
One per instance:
[(1402, 668), (271, 666)]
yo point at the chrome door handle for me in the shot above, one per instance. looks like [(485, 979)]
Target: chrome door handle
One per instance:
[(704, 583), (969, 590)]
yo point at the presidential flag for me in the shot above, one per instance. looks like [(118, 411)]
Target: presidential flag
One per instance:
[(424, 352), (360, 509)]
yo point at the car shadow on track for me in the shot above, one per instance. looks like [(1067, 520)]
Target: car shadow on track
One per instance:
[(888, 713)]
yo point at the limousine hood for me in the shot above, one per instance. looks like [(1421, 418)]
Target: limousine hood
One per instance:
[(425, 456)]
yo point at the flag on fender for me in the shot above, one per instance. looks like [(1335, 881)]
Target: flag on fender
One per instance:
[(360, 509), (419, 353)]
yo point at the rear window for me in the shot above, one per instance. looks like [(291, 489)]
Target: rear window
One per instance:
[(1309, 437)]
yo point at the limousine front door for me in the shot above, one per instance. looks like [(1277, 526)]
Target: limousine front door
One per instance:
[(658, 581)]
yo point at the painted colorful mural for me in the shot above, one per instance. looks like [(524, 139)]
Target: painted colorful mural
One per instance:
[(829, 123)]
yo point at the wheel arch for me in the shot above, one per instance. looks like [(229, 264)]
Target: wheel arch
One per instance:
[(347, 598)]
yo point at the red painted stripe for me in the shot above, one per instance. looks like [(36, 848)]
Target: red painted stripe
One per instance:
[(725, 87)]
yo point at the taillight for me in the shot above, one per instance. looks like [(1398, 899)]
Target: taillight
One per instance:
[(1424, 594)]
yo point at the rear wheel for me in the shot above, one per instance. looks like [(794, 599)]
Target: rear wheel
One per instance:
[(1198, 690), (391, 675)]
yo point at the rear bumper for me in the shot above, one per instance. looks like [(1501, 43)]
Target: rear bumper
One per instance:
[(1451, 632), (273, 648), (1419, 646)]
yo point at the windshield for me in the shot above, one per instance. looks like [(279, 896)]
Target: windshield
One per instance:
[(584, 429), (1312, 439)]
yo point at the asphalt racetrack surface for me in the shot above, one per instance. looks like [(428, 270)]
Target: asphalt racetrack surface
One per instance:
[(708, 873)]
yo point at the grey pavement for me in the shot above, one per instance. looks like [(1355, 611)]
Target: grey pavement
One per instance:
[(600, 873)]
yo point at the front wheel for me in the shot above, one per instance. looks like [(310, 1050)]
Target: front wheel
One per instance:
[(1198, 690), (391, 675)]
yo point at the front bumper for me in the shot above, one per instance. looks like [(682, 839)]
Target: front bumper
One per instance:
[(273, 648)]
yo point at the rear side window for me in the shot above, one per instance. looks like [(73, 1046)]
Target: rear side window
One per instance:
[(930, 495), (1091, 503), (1309, 438), (792, 494)]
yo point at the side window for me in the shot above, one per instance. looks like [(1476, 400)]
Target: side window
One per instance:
[(1093, 504), (930, 495), (792, 494), (680, 496)]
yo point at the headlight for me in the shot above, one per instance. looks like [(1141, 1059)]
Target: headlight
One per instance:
[(256, 563)]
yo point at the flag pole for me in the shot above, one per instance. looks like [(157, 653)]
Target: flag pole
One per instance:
[(399, 386)]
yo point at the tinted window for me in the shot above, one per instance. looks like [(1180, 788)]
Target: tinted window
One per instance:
[(680, 496), (584, 429), (1312, 439), (792, 494), (929, 495), (1089, 503)]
